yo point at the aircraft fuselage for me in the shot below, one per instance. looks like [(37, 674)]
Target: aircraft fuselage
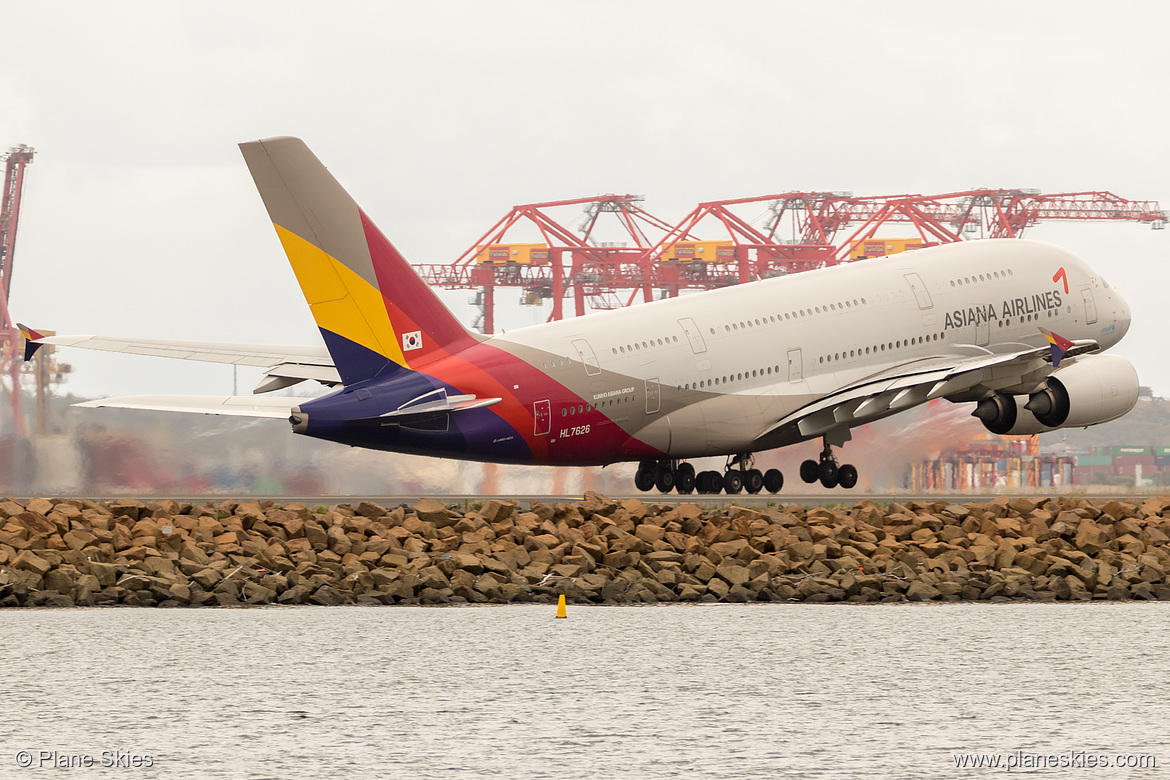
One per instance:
[(703, 375)]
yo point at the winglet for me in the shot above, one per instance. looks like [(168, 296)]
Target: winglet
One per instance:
[(30, 341), (1059, 344)]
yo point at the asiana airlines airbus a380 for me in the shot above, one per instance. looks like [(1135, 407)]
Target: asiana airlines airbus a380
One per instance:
[(726, 373)]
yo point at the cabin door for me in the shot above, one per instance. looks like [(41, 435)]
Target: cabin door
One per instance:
[(585, 352), (1090, 305), (653, 396), (921, 294), (795, 366), (542, 412), (698, 346)]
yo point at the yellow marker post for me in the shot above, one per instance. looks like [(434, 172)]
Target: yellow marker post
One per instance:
[(561, 606)]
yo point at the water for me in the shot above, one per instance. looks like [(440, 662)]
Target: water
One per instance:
[(718, 691)]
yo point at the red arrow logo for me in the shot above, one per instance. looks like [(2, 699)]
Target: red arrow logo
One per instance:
[(1061, 276)]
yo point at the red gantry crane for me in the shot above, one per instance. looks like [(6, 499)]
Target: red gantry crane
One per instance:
[(11, 342), (564, 261), (796, 231)]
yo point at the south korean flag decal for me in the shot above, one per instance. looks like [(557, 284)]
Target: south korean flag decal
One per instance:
[(412, 340)]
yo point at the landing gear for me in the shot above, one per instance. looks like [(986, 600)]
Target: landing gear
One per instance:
[(827, 472), (847, 476), (664, 478), (667, 475), (709, 482), (644, 478)]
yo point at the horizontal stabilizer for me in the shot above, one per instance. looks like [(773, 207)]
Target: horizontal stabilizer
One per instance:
[(278, 408), (455, 403), (429, 406), (260, 355)]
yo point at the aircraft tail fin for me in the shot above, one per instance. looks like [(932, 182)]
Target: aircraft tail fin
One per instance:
[(375, 313)]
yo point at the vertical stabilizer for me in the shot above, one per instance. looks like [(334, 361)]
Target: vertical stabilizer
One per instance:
[(375, 313)]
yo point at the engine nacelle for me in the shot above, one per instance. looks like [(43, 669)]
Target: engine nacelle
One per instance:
[(1093, 390), (1005, 415)]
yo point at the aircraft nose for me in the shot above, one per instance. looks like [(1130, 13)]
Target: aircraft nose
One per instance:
[(1121, 316)]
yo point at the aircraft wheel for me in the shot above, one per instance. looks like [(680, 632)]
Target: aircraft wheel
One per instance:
[(664, 478), (684, 478), (827, 472), (829, 482), (714, 482), (733, 481), (810, 471), (773, 480), (847, 476), (644, 478), (753, 480)]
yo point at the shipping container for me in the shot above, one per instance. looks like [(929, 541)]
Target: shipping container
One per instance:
[(879, 247), (512, 254), (1124, 464), (1094, 460), (1126, 449), (700, 252)]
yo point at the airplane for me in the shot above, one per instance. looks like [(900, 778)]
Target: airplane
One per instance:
[(1012, 326)]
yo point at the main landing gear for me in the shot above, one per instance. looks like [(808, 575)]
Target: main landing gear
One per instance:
[(668, 475), (827, 472)]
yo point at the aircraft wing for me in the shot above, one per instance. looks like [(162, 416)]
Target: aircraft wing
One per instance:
[(278, 408), (909, 384), (286, 365)]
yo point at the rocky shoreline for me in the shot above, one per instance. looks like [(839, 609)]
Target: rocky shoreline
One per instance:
[(73, 552)]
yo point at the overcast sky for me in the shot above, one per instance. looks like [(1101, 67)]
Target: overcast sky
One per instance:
[(141, 219)]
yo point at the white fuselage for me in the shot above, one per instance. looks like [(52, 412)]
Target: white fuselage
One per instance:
[(705, 374)]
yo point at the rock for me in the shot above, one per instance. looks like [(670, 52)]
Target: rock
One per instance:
[(921, 591), (956, 511), (718, 588), (62, 579), (1090, 537), (370, 510), (30, 561), (733, 574), (1118, 510), (428, 510), (316, 536), (649, 533), (128, 509), (705, 571), (433, 577), (36, 524), (497, 511), (327, 596), (1021, 506)]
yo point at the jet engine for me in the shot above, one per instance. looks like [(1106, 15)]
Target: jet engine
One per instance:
[(1093, 390)]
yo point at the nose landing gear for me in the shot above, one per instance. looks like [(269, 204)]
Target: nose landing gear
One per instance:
[(827, 472)]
